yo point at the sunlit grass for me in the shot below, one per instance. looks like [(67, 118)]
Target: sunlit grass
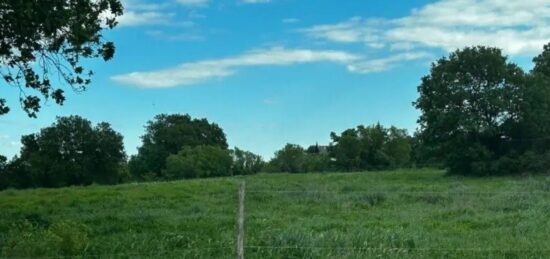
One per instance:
[(398, 214)]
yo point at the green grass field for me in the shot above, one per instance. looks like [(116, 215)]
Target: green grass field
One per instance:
[(398, 214)]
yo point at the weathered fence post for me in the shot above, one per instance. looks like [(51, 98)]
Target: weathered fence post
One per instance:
[(240, 223)]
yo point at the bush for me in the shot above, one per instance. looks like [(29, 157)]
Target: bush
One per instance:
[(198, 162), (64, 238), (290, 159), (245, 162), (315, 162), (371, 148)]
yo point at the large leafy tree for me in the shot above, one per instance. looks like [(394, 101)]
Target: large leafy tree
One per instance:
[(70, 152), (166, 135), (43, 44), (346, 150), (466, 102)]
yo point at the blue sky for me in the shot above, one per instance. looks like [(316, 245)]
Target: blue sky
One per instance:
[(270, 72)]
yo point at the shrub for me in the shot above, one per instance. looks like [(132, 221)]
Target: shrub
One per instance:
[(245, 162), (198, 162), (64, 238)]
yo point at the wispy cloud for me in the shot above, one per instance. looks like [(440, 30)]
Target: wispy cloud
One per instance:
[(387, 63), (200, 71), (518, 27), (353, 30), (138, 13), (136, 18)]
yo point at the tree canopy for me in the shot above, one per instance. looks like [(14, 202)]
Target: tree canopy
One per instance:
[(166, 135), (371, 148), (245, 162), (70, 152), (43, 44), (483, 112), (198, 162)]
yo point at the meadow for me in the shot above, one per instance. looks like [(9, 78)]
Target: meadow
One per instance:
[(390, 214)]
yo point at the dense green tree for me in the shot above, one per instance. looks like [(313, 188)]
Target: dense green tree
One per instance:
[(371, 148), (398, 147), (294, 159), (291, 159), (198, 162), (3, 162), (70, 152), (245, 162), (423, 155), (166, 135), (3, 175), (346, 150), (534, 106), (43, 44), (469, 102), (373, 140), (317, 162), (17, 174)]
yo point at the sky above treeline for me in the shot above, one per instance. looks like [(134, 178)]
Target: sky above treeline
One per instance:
[(272, 72)]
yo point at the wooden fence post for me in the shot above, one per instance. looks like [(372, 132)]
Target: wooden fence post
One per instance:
[(240, 223)]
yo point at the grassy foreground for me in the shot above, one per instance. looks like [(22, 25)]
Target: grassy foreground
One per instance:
[(398, 214)]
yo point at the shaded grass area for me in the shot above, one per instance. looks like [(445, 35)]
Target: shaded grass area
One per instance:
[(398, 214)]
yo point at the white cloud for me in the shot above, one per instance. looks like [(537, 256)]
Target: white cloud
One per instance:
[(353, 30), (255, 1), (200, 71), (133, 18), (138, 13), (387, 63), (516, 26)]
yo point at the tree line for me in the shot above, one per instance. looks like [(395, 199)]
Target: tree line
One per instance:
[(72, 151), (480, 115)]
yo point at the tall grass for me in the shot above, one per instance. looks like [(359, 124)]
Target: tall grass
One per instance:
[(398, 214)]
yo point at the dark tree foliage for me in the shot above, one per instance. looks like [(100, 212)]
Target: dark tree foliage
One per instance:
[(3, 162), (484, 114), (3, 180), (313, 149), (43, 43), (167, 135), (317, 162), (245, 162), (70, 152), (290, 159), (198, 162), (371, 148), (293, 158), (423, 155), (16, 174)]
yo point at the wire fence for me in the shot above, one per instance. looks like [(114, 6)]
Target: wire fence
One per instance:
[(255, 193)]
